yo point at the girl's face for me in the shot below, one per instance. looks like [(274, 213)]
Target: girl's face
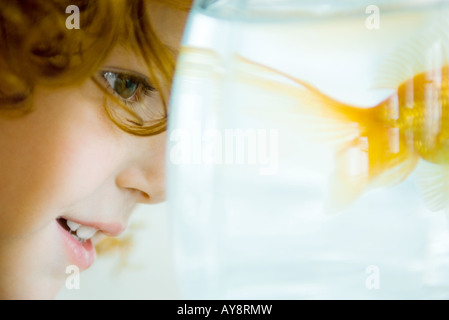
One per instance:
[(67, 163)]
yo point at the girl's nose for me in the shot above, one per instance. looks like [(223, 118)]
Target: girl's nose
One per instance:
[(144, 174)]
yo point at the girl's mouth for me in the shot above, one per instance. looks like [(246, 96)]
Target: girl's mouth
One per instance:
[(77, 242), (78, 231)]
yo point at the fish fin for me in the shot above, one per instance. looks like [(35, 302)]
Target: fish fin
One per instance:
[(349, 179), (279, 97), (295, 104), (368, 163), (425, 51), (397, 173), (433, 182)]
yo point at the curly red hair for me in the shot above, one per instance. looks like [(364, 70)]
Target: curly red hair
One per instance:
[(36, 48)]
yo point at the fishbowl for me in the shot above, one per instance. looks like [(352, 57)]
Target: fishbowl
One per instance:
[(308, 150)]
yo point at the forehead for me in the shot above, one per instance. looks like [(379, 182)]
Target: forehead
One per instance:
[(168, 23)]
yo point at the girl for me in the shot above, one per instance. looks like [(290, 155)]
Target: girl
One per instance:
[(83, 108)]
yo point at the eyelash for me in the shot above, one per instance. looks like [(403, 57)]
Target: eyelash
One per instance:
[(143, 87)]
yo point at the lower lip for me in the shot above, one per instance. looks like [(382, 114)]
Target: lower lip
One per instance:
[(81, 254)]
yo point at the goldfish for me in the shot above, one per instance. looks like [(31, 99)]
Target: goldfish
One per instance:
[(389, 138), (378, 146)]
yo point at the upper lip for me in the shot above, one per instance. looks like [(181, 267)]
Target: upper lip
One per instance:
[(109, 228)]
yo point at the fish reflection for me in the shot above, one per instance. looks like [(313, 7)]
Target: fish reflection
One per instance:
[(377, 146)]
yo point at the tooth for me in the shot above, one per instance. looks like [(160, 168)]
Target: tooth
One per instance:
[(73, 225), (75, 237), (79, 239), (85, 232)]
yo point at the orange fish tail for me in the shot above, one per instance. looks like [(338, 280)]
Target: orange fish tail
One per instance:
[(379, 156), (370, 150)]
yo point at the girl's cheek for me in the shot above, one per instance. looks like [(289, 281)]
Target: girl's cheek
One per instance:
[(82, 147), (54, 157), (83, 162)]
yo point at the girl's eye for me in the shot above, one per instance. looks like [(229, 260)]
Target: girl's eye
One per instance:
[(131, 99), (125, 86)]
